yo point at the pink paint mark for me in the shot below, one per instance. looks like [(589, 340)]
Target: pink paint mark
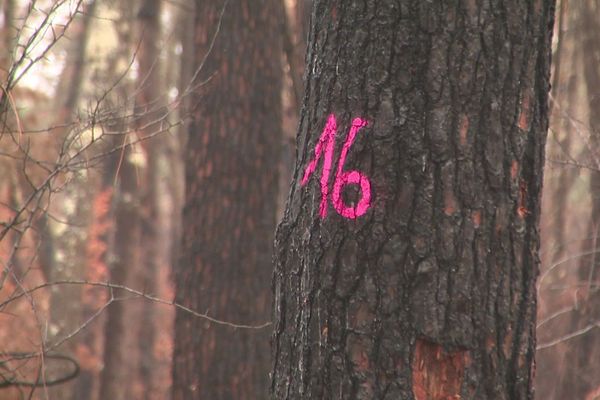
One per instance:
[(327, 139), (342, 178), (351, 177)]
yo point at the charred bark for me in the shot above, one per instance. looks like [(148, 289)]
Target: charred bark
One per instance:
[(407, 270)]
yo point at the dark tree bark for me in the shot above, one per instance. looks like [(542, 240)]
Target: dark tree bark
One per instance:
[(407, 270), (230, 203)]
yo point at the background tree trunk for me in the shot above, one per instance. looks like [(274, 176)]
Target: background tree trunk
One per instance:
[(71, 209), (294, 32), (230, 203), (125, 174), (119, 357), (151, 123), (583, 352), (559, 223), (430, 294)]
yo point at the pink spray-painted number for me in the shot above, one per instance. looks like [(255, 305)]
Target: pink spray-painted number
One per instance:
[(342, 178)]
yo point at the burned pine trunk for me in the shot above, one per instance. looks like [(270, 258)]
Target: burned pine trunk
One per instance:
[(230, 203), (407, 257)]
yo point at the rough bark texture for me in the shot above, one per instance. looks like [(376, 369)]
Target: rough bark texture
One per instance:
[(230, 204), (431, 293)]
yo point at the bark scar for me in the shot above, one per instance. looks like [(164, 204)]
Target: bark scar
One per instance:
[(463, 130), (438, 374), (524, 115), (522, 210)]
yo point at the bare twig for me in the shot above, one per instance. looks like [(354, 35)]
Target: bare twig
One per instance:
[(137, 293)]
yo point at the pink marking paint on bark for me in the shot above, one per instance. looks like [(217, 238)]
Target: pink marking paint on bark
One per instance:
[(327, 139), (342, 178), (351, 177)]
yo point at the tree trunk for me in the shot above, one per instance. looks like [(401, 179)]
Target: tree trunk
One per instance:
[(150, 116), (7, 35), (583, 352), (120, 330), (230, 203), (71, 210), (178, 142), (407, 258), (563, 231), (295, 29), (7, 38), (117, 373)]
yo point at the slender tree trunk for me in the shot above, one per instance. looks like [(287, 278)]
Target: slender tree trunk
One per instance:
[(89, 349), (8, 181), (583, 354), (178, 142), (126, 174), (407, 258), (7, 37), (8, 34), (564, 96), (560, 232), (230, 204), (295, 32), (149, 120), (295, 29), (71, 210), (118, 372)]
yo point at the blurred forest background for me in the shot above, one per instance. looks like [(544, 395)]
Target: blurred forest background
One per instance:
[(97, 101)]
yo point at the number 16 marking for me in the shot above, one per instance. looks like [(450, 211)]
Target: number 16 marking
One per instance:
[(342, 178)]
